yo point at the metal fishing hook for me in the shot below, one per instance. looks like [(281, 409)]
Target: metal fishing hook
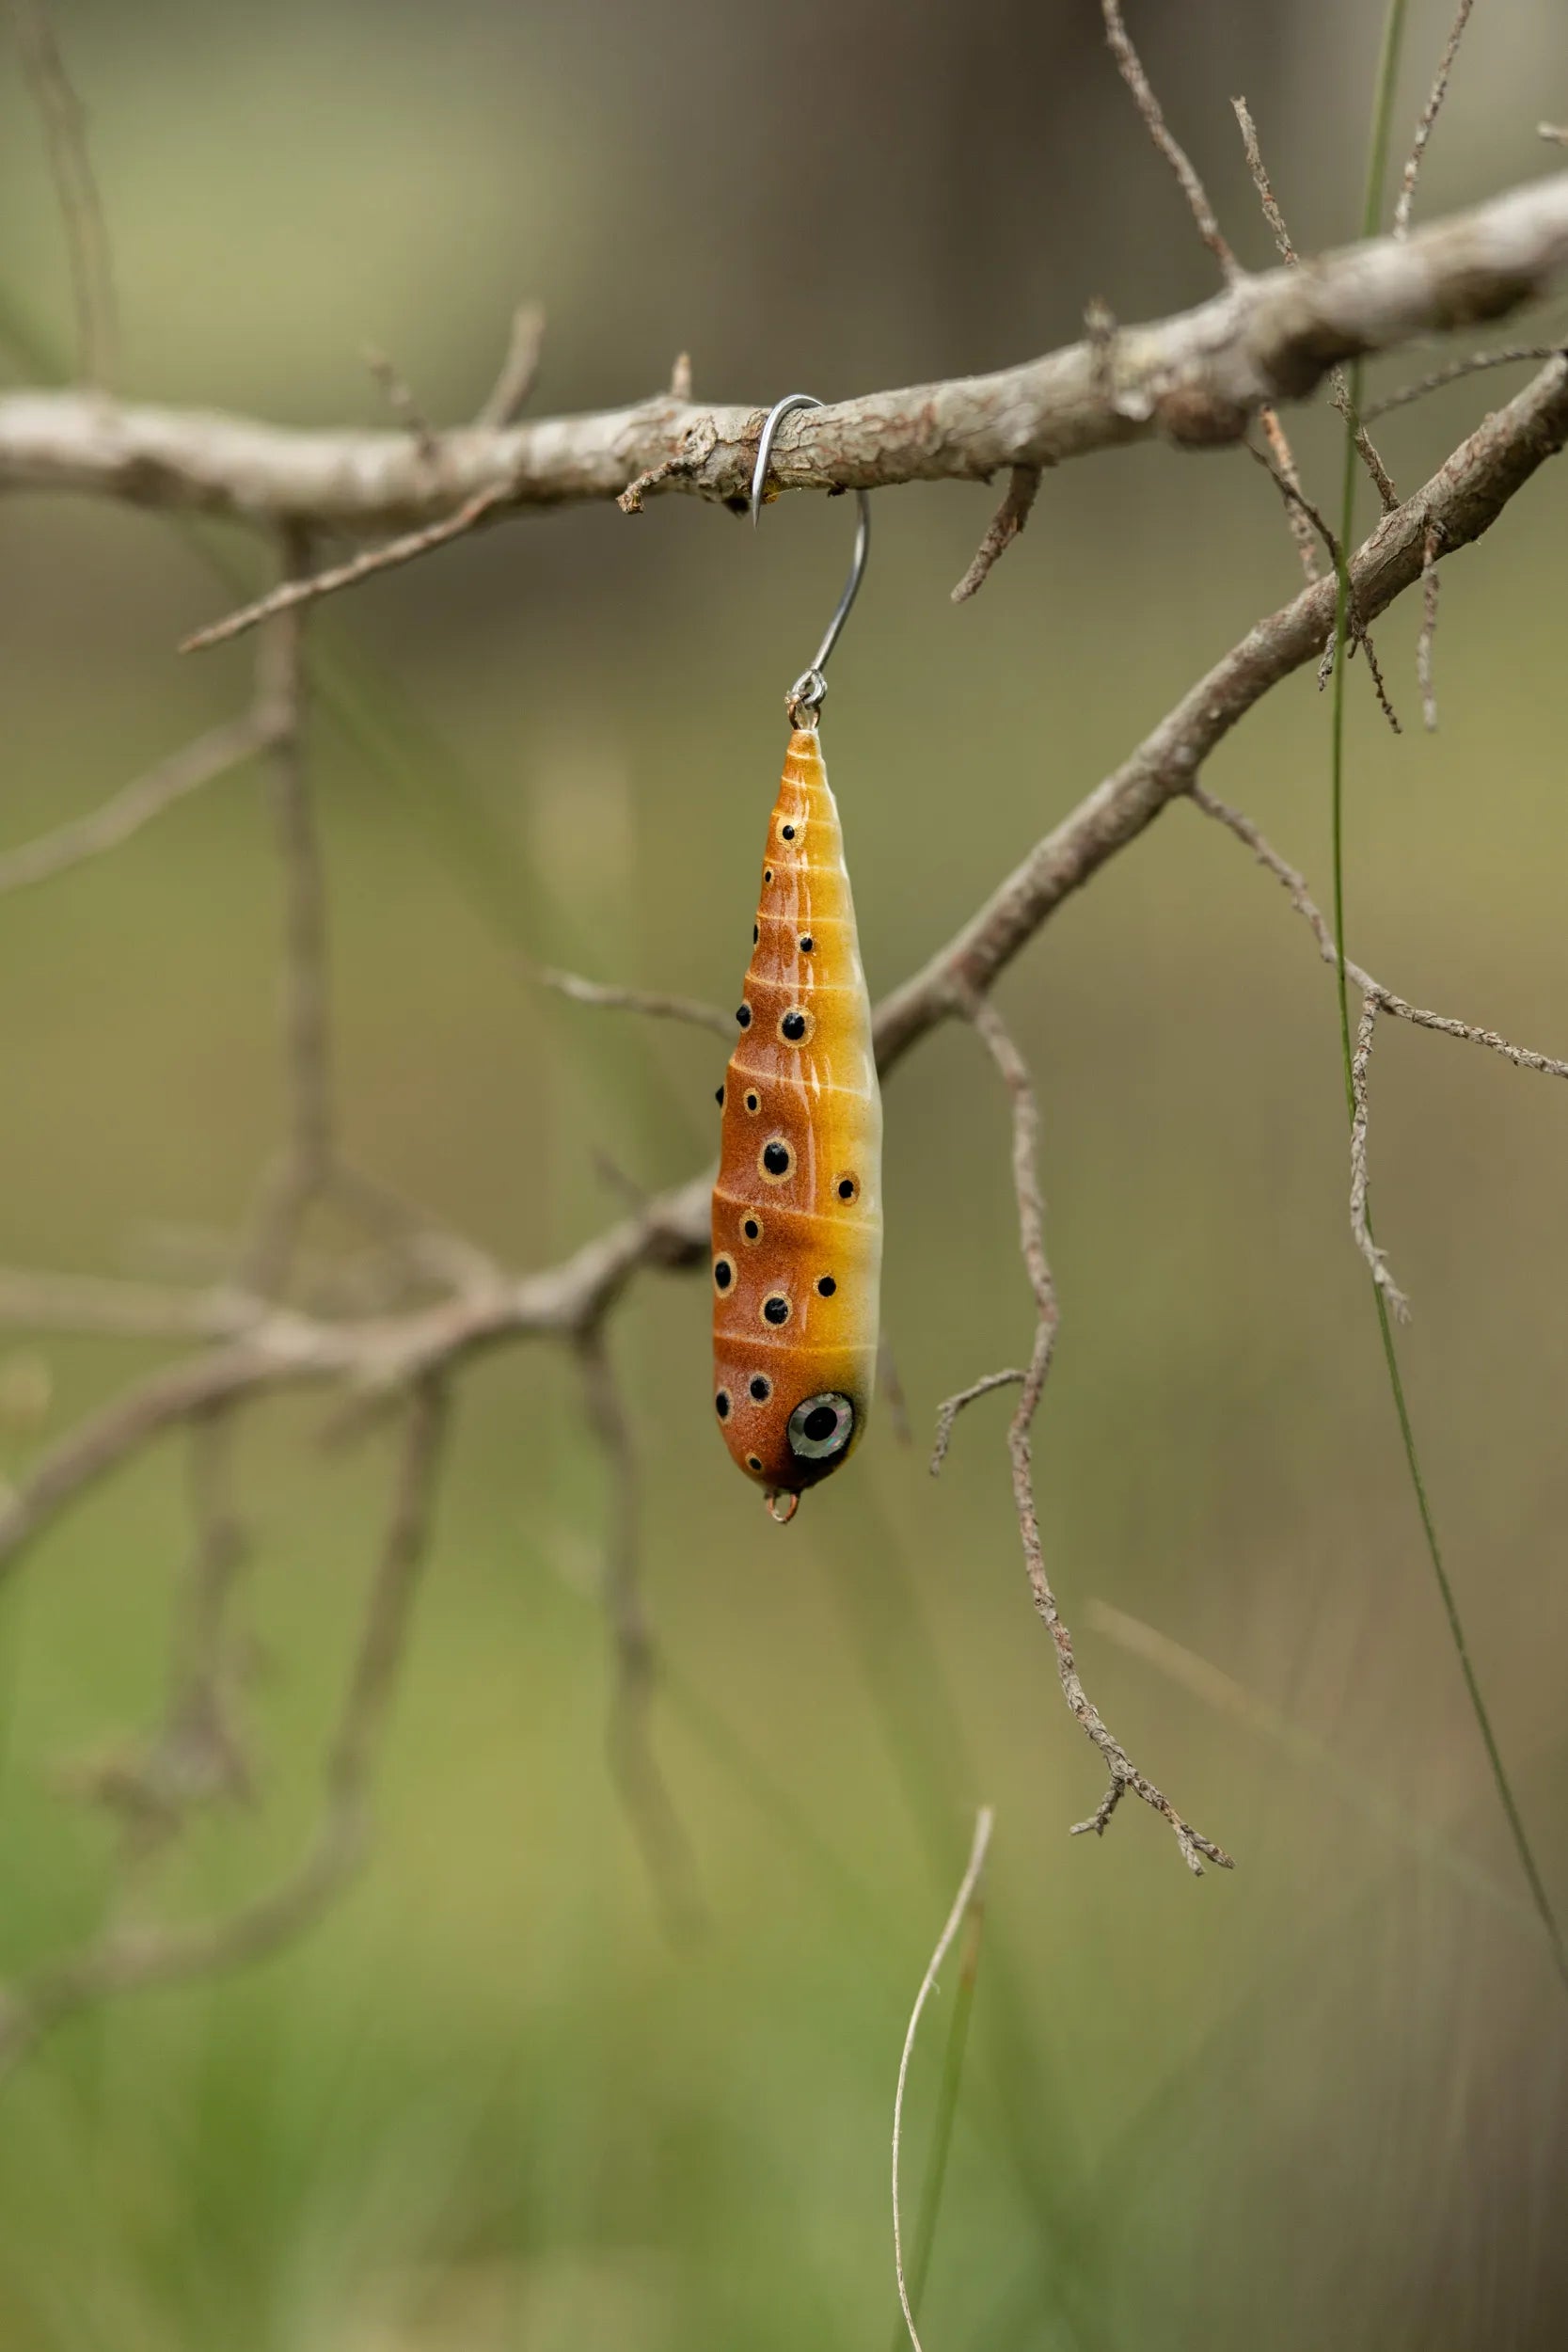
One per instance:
[(805, 695)]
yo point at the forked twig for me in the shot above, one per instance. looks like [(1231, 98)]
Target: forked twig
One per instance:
[(968, 1889), (1017, 499), (1124, 1775)]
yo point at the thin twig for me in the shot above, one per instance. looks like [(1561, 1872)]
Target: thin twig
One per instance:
[(400, 399), (1426, 640), (1124, 1775), (132, 1954), (968, 1887), (1018, 501), (519, 371), (948, 1411), (1338, 385), (1513, 354), (137, 803), (656, 1825), (382, 559), (76, 189), (1429, 112), (1360, 1222), (606, 997), (1522, 1057), (1130, 66), (302, 1171), (1297, 502)]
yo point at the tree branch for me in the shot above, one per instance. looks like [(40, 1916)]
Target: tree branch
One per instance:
[(1196, 378)]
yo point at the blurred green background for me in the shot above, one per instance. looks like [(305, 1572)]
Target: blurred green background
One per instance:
[(488, 2104)]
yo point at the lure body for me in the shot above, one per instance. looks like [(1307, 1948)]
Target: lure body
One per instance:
[(797, 1210)]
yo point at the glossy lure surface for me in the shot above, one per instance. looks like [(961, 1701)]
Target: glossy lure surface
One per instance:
[(797, 1210)]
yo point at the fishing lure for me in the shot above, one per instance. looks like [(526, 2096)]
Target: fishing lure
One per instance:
[(797, 1208)]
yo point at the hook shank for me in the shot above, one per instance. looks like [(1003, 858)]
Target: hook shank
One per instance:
[(805, 695)]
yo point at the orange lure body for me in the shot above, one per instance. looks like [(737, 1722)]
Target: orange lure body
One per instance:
[(797, 1210)]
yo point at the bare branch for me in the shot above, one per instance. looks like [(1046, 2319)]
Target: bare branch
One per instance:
[(608, 998), (1338, 385), (519, 373), (383, 559), (1195, 1849), (948, 1411), (76, 189), (1431, 549), (662, 1841), (400, 399), (1511, 355), (1522, 1057), (1360, 1222), (969, 1886), (1196, 378), (1130, 66), (1018, 502), (1429, 113), (135, 804), (132, 1954)]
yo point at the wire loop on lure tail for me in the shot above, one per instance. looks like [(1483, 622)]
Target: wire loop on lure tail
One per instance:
[(797, 1208), (804, 702)]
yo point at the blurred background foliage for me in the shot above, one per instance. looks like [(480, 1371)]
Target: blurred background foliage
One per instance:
[(487, 2105)]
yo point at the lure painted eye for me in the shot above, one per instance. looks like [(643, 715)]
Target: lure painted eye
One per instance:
[(848, 1187), (743, 1014), (807, 943), (795, 1026), (753, 1462), (757, 933), (753, 1100), (722, 1404), (775, 1160), (767, 873), (789, 832), (761, 1389), (723, 1273), (719, 1096), (826, 1287), (775, 1308), (751, 1229), (821, 1427)]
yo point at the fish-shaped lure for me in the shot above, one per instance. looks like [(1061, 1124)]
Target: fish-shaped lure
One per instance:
[(797, 1210)]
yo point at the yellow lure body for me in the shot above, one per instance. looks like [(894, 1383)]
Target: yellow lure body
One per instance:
[(797, 1208)]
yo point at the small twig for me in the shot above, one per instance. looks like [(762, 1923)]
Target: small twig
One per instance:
[(1522, 1057), (665, 1848), (1513, 355), (1124, 1775), (947, 1412), (1426, 640), (135, 804), (303, 1172), (1429, 112), (87, 230), (129, 1955), (968, 1887), (1131, 68), (1338, 385), (400, 399), (606, 997), (696, 447), (1264, 186), (519, 371), (1297, 502), (382, 559), (680, 377), (1023, 484), (1360, 1222)]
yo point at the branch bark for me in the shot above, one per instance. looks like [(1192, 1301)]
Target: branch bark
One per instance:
[(1197, 378)]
